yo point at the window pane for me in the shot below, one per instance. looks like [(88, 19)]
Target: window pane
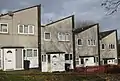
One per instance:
[(59, 36), (31, 29), (79, 42), (66, 56), (24, 53), (35, 53), (4, 27), (20, 28), (88, 42), (67, 36), (44, 58), (47, 35), (82, 61), (103, 47), (25, 28), (70, 56), (29, 52)]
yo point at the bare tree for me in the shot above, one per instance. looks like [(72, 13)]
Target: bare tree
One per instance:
[(111, 5)]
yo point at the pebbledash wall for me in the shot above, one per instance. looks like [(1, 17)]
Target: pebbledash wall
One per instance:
[(19, 31), (57, 45), (87, 46)]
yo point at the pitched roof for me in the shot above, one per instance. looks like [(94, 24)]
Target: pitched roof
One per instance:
[(20, 10), (79, 30), (106, 33), (58, 20)]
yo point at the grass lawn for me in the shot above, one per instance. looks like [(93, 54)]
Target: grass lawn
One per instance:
[(35, 75)]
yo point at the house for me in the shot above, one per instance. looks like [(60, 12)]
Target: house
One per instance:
[(108, 47), (87, 46), (20, 39), (57, 45)]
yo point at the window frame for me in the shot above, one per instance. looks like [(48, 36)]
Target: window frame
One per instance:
[(28, 33), (104, 46), (81, 42), (45, 38), (89, 41), (26, 55), (64, 36), (7, 28)]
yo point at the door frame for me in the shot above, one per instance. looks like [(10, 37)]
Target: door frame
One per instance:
[(5, 57)]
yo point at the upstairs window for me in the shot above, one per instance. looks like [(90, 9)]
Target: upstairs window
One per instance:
[(3, 28), (103, 46), (47, 36), (91, 42), (25, 29), (111, 46), (79, 42), (63, 36)]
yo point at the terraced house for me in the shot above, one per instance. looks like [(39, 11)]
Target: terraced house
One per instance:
[(19, 38), (87, 46), (108, 47), (57, 45)]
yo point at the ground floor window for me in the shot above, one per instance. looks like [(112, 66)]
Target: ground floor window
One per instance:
[(43, 58), (68, 56), (30, 52)]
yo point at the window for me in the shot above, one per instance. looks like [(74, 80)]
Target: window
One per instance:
[(47, 36), (103, 46), (43, 58), (111, 46), (63, 36), (79, 42), (25, 29), (82, 61), (97, 59), (94, 42), (68, 56), (89, 42), (67, 37), (29, 52), (3, 28)]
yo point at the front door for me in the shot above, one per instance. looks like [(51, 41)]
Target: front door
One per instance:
[(9, 56), (55, 63)]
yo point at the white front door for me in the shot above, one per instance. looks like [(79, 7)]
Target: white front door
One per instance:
[(9, 56), (55, 62)]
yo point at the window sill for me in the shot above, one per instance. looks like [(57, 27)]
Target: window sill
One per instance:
[(26, 34), (80, 45)]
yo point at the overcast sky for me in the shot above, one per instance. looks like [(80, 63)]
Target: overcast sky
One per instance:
[(55, 9)]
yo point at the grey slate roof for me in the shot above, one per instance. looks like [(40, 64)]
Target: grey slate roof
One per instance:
[(79, 30), (106, 33)]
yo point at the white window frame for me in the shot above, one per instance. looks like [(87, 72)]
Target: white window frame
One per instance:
[(44, 58), (62, 36), (27, 30), (32, 52), (47, 39), (67, 34), (81, 42), (94, 42), (111, 47), (88, 42), (7, 27)]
